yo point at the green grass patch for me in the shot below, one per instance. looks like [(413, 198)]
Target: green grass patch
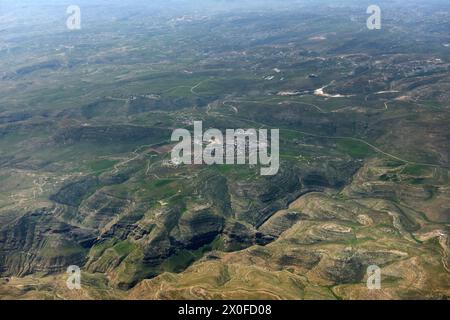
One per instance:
[(124, 248), (162, 183), (100, 166), (355, 149), (64, 249), (98, 249), (415, 170)]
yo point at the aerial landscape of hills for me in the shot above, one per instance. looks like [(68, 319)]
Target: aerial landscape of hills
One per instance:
[(86, 177)]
